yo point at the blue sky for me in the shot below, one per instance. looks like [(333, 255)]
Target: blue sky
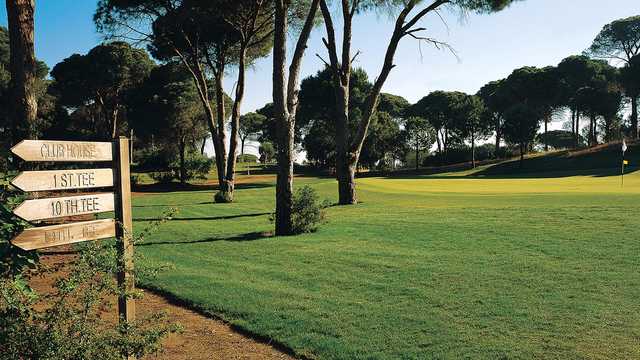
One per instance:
[(531, 32)]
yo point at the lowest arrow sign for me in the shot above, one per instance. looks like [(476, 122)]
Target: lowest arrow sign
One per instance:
[(51, 150), (40, 209), (48, 236), (63, 179)]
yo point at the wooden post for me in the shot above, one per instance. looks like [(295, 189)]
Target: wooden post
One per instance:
[(122, 182)]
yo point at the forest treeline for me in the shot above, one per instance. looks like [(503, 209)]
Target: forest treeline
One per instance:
[(168, 94)]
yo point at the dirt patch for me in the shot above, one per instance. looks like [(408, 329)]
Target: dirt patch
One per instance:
[(202, 338)]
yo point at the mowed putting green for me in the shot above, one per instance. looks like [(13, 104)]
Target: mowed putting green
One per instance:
[(425, 267)]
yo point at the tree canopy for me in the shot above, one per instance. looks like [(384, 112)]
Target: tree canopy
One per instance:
[(618, 40), (101, 78)]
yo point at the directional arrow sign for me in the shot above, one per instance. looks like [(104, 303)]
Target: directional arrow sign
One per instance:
[(51, 150), (63, 179), (47, 236), (65, 206)]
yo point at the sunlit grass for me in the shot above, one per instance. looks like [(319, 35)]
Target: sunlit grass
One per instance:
[(425, 267)]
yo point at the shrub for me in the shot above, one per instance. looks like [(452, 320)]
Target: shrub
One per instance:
[(67, 321), (197, 166), (247, 158), (307, 211), (163, 177)]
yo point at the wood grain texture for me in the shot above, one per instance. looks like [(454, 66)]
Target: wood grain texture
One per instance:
[(124, 230), (49, 208), (72, 151), (63, 179), (55, 235)]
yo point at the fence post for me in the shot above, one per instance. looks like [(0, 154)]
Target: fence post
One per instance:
[(124, 228)]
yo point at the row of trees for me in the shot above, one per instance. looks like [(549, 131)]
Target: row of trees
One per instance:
[(206, 37), (199, 43), (511, 110)]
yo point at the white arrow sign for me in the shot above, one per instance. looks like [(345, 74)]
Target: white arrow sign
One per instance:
[(52, 150), (40, 209), (63, 179)]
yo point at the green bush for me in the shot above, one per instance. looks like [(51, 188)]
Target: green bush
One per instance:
[(163, 177), (197, 166), (67, 322), (307, 210), (247, 158), (164, 165)]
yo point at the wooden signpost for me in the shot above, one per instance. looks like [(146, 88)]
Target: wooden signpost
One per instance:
[(51, 208), (119, 201), (63, 179)]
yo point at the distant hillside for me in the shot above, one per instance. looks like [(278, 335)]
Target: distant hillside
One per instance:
[(603, 160)]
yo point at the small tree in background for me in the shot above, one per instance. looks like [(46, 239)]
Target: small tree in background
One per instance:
[(471, 122), (496, 101), (250, 124), (619, 40), (418, 134), (267, 152), (630, 80), (521, 126)]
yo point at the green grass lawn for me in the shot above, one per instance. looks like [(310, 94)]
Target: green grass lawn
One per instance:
[(425, 267)]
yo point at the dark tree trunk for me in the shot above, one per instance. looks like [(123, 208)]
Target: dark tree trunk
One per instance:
[(417, 156), (498, 138), (183, 168), (114, 122), (577, 128), (473, 150), (204, 143), (592, 121), (634, 117), (522, 147), (546, 133), (573, 123), (20, 15), (285, 101)]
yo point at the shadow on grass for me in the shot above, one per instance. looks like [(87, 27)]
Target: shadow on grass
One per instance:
[(188, 304), (225, 217), (252, 236), (173, 205), (174, 186)]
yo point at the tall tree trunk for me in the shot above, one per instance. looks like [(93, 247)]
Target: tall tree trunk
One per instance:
[(573, 123), (221, 149), (235, 124), (20, 14), (522, 147), (438, 142), (183, 168), (204, 143), (417, 156), (634, 117), (498, 137), (114, 122), (591, 130), (577, 128), (473, 150), (546, 132), (285, 102), (349, 152)]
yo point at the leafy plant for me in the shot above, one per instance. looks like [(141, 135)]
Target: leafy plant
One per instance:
[(68, 322), (307, 210)]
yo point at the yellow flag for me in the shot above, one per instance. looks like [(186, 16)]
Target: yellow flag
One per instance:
[(626, 162)]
